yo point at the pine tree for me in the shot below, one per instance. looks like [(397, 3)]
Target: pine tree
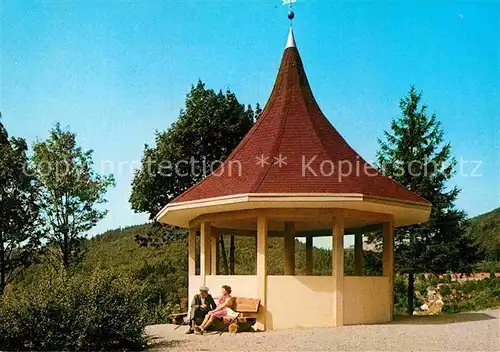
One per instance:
[(414, 154)]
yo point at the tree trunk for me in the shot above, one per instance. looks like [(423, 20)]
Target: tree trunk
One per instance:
[(224, 257), (2, 266), (411, 289), (411, 275), (231, 257), (66, 252)]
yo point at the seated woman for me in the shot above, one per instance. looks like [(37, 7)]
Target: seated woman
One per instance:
[(222, 302)]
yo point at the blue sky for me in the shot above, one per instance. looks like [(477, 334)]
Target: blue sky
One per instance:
[(116, 71)]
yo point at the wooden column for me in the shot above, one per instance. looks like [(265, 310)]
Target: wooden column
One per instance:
[(289, 248), (358, 254), (262, 271), (231, 255), (309, 255), (214, 251), (191, 253), (338, 271), (388, 264), (204, 251)]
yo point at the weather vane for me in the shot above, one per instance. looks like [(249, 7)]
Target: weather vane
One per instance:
[(291, 14)]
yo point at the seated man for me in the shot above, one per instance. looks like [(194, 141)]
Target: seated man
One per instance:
[(224, 302), (201, 304)]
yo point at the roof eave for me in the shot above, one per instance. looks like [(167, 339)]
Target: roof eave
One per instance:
[(405, 212)]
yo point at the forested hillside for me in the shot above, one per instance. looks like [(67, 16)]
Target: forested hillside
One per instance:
[(485, 230)]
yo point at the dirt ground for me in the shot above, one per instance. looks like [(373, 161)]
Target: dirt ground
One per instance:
[(477, 331)]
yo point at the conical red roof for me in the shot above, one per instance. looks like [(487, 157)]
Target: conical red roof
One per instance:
[(294, 149)]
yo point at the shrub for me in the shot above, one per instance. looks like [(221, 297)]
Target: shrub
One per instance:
[(445, 290), (473, 295), (99, 312), (433, 280), (421, 287), (400, 295)]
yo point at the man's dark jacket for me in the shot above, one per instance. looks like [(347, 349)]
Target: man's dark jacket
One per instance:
[(197, 310)]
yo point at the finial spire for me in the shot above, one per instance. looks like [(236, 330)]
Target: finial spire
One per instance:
[(291, 40), (291, 14)]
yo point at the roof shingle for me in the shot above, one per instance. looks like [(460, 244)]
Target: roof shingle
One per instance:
[(293, 128)]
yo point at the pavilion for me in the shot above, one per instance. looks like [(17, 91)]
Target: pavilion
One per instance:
[(293, 175)]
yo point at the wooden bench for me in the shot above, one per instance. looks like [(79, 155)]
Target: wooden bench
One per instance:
[(247, 310)]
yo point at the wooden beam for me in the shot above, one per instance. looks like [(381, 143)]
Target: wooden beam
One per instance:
[(214, 251), (349, 231), (262, 224), (338, 271), (192, 252), (290, 214), (204, 251), (309, 255), (358, 254), (308, 233), (388, 264), (289, 248), (231, 255)]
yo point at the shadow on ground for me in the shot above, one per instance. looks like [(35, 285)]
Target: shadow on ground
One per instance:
[(162, 344), (443, 318)]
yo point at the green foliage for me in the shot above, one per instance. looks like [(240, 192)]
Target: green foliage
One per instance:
[(401, 293), (414, 154), (488, 266), (421, 287), (205, 133), (433, 280), (471, 295), (70, 188), (97, 312), (160, 274), (465, 296), (445, 290), (20, 226), (485, 231)]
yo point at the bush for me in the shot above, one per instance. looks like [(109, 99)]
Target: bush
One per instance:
[(473, 295), (433, 280), (99, 312), (445, 290), (421, 287)]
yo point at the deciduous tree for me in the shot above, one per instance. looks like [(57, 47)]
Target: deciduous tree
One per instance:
[(20, 226), (207, 130), (71, 191)]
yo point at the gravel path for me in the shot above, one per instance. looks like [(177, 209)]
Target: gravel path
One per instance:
[(477, 331)]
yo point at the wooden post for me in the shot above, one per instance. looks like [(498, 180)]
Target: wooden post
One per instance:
[(204, 251), (214, 251), (388, 265), (224, 256), (262, 271), (338, 270), (191, 253), (231, 256), (289, 248), (309, 255), (358, 254)]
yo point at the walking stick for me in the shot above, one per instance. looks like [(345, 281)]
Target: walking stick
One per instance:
[(232, 321), (183, 321)]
